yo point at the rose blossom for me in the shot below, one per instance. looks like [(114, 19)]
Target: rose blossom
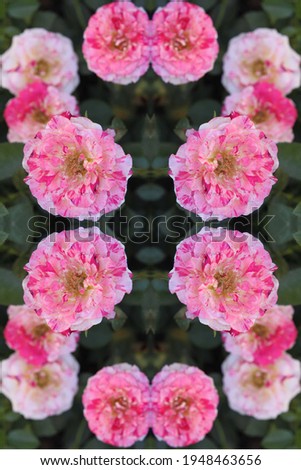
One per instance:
[(271, 112), (32, 338), (184, 46), (225, 169), (116, 405), (184, 405), (261, 55), (262, 392), (38, 392), (75, 169), (39, 54), (30, 111), (75, 278), (117, 44), (268, 338), (225, 278)]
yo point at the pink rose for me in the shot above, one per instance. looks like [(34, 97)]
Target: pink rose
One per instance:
[(225, 278), (225, 169), (32, 338), (43, 55), (268, 338), (31, 110), (261, 55), (262, 392), (75, 169), (184, 405), (265, 105), (184, 42), (38, 392), (75, 278), (116, 405), (117, 44)]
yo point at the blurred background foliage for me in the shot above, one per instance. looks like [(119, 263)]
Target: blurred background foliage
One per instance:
[(150, 118)]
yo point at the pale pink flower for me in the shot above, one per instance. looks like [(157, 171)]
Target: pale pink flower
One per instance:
[(116, 405), (184, 405), (268, 338), (75, 278), (262, 392), (267, 107), (117, 43), (225, 278), (261, 55), (184, 42), (225, 169), (38, 392), (30, 111), (75, 169), (32, 338), (39, 54)]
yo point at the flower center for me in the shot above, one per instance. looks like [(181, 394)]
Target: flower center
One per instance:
[(226, 165), (42, 378), (40, 330), (120, 42), (258, 378), (180, 404), (181, 42), (260, 330), (40, 116), (258, 68), (120, 404), (41, 68), (74, 282), (260, 116), (226, 282), (74, 165)]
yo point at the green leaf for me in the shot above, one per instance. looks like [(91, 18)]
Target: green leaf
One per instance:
[(256, 428), (93, 4), (297, 210), (11, 291), (50, 21), (96, 444), (289, 292), (181, 320), (22, 439), (11, 156), (181, 128), (44, 428), (206, 4), (282, 226), (3, 237), (3, 439), (150, 255), (19, 216), (119, 128), (278, 439), (204, 110), (203, 337), (3, 210), (22, 9), (297, 237), (150, 192), (290, 159), (97, 337), (97, 110), (206, 443), (278, 9), (256, 19), (12, 417), (119, 319)]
